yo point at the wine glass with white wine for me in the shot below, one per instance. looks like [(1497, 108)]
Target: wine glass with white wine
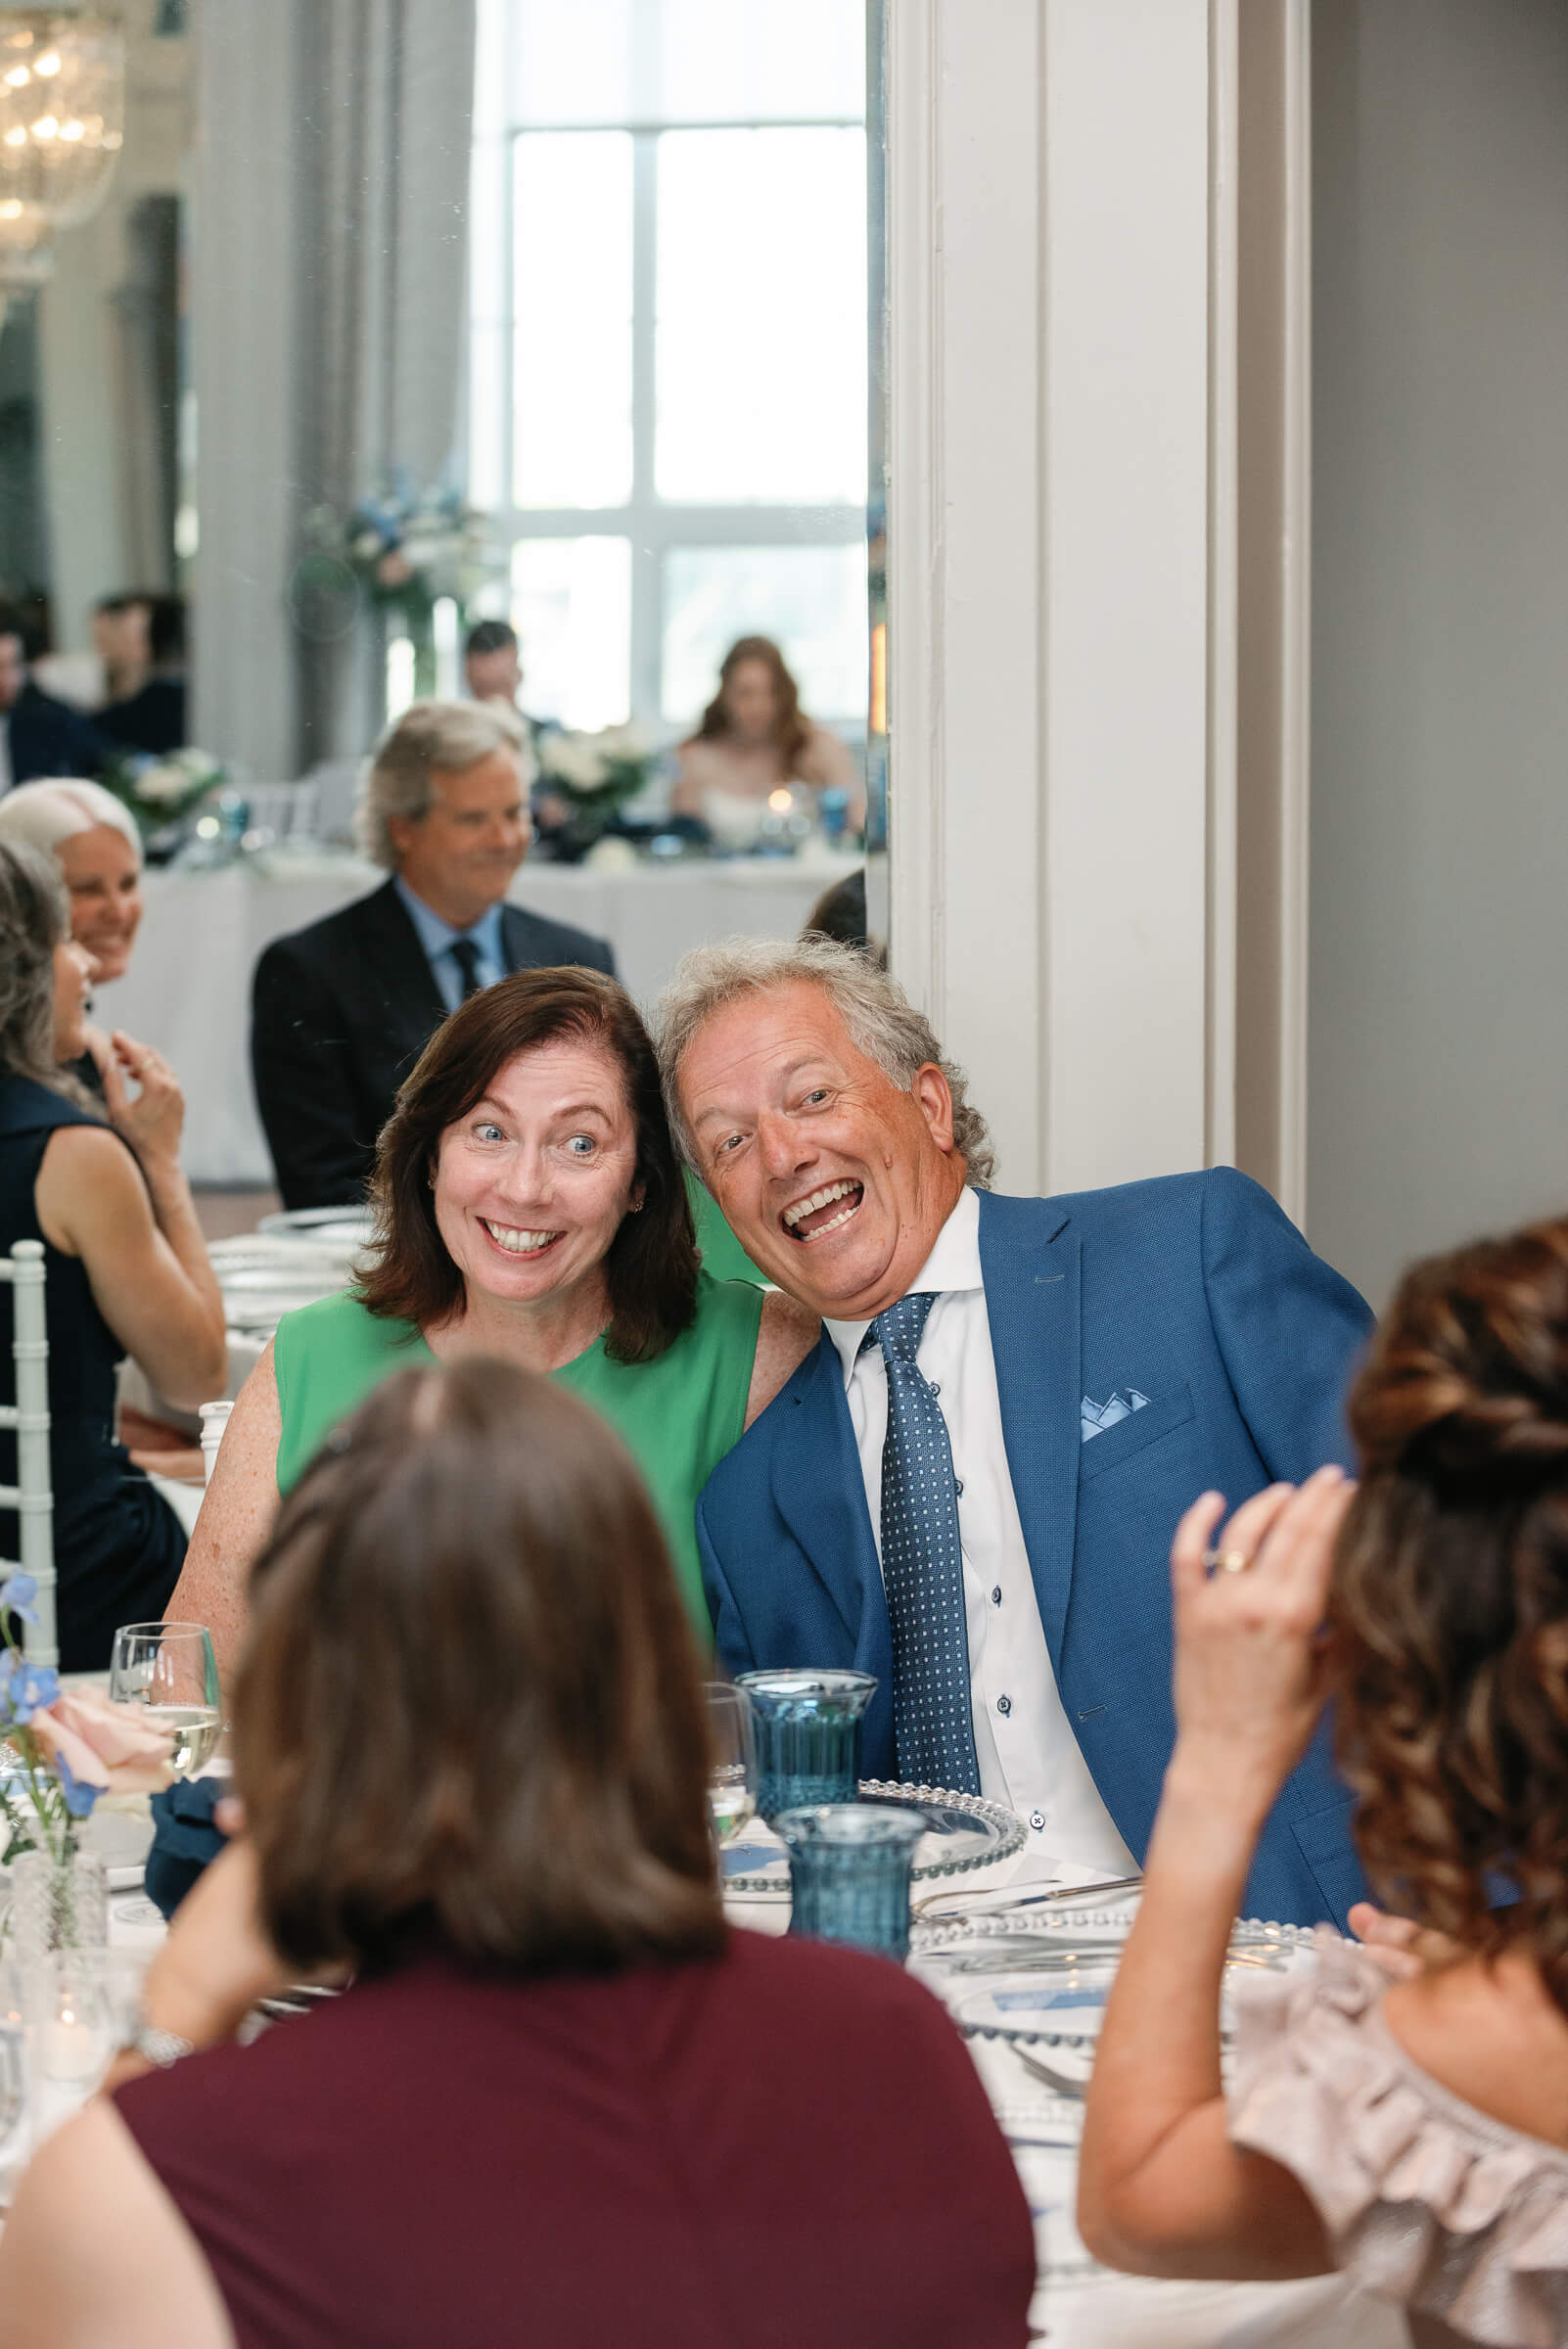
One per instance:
[(170, 1668), (732, 1760)]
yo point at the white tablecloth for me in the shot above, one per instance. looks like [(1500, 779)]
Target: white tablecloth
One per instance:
[(188, 990), (1077, 2305)]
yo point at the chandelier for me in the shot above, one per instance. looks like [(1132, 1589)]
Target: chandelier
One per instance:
[(62, 125)]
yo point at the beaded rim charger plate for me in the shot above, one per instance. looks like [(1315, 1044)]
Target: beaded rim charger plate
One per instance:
[(963, 1831), (1063, 2006), (940, 1937)]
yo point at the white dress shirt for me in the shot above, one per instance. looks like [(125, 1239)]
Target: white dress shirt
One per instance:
[(1028, 1755)]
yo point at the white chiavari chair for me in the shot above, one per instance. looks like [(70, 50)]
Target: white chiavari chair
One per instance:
[(32, 1494)]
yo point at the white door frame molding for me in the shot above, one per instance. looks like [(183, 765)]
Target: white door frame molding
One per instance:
[(1063, 580)]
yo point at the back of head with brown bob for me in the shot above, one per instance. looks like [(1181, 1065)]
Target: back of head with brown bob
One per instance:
[(469, 1709), (652, 1264), (1450, 1600)]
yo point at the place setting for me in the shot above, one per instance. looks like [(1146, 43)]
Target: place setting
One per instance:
[(791, 1744)]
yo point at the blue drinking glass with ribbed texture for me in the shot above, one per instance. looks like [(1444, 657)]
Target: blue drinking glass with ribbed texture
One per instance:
[(807, 1736), (849, 1866)]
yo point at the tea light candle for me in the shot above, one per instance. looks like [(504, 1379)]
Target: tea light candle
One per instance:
[(73, 2047)]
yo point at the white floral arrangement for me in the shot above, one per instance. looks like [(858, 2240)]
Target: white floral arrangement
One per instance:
[(163, 790), (598, 772)]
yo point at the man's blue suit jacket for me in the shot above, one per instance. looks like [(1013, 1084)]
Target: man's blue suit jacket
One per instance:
[(1199, 1292)]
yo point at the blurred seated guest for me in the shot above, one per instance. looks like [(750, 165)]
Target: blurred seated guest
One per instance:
[(755, 739), (492, 669), (529, 1205), (121, 626), (1409, 2134), (471, 1747), (839, 914), (38, 735), (340, 1011), (92, 837), (152, 718), (125, 1264)]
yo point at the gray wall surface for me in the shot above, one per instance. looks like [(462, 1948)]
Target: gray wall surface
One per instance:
[(1439, 985)]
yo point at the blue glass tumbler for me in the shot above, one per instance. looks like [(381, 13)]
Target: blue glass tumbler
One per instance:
[(850, 1866), (807, 1736)]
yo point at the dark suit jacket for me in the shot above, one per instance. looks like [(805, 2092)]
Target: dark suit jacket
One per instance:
[(340, 1013), (1194, 1289), (152, 720), (50, 738)]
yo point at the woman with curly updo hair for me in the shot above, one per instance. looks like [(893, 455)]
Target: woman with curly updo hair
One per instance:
[(1397, 2110)]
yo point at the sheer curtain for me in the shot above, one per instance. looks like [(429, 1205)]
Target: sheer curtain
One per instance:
[(330, 241)]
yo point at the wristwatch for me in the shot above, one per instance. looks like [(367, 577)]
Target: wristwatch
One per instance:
[(155, 2046)]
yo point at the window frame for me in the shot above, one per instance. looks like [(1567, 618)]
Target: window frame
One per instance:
[(653, 525)]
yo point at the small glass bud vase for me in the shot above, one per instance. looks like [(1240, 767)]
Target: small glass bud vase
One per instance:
[(58, 1904)]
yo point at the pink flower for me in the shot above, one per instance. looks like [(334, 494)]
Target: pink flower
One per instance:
[(112, 1747)]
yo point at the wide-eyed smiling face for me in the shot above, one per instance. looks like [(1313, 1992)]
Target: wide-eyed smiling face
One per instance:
[(532, 1185), (835, 1180)]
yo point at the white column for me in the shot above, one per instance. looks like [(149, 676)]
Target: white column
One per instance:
[(1126, 586), (1062, 581), (244, 326)]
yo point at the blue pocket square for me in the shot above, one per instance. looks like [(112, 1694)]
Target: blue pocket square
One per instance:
[(1095, 1417)]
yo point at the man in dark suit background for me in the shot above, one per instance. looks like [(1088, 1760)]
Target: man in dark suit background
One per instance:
[(152, 718), (38, 735), (342, 1010)]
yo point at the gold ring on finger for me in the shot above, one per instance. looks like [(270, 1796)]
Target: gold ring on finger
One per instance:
[(1225, 1561)]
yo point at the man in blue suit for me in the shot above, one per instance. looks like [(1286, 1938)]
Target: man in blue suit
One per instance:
[(970, 1487)]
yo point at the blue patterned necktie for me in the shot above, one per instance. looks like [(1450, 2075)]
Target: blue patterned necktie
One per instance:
[(922, 1567)]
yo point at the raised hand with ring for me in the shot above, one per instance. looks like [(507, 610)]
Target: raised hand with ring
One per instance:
[(1251, 1671)]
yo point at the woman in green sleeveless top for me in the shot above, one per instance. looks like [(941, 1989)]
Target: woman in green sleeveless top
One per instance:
[(530, 1207)]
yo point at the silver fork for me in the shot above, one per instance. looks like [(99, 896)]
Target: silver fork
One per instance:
[(1027, 1900), (1060, 2083)]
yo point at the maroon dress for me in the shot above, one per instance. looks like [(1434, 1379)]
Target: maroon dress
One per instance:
[(785, 2144)]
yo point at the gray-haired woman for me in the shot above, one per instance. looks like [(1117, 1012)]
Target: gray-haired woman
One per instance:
[(93, 838), (125, 1264)]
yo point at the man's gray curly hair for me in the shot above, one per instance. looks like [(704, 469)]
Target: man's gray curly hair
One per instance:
[(881, 1021), (430, 738)]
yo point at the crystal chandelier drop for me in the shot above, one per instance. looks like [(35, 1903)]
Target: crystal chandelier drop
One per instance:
[(62, 125)]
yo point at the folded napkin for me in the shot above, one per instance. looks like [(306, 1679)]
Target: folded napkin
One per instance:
[(184, 1839)]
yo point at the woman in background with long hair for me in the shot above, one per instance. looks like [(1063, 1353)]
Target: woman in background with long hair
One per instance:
[(755, 739)]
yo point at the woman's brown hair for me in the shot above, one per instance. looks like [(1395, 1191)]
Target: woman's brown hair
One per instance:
[(469, 1711), (651, 1268), (1450, 1599), (792, 731)]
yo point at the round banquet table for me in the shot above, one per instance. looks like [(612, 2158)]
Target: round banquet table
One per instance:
[(188, 989), (1077, 2305)]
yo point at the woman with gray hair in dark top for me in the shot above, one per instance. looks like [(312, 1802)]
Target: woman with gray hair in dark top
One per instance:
[(125, 1266)]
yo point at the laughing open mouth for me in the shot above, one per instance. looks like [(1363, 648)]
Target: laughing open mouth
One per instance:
[(821, 1211)]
